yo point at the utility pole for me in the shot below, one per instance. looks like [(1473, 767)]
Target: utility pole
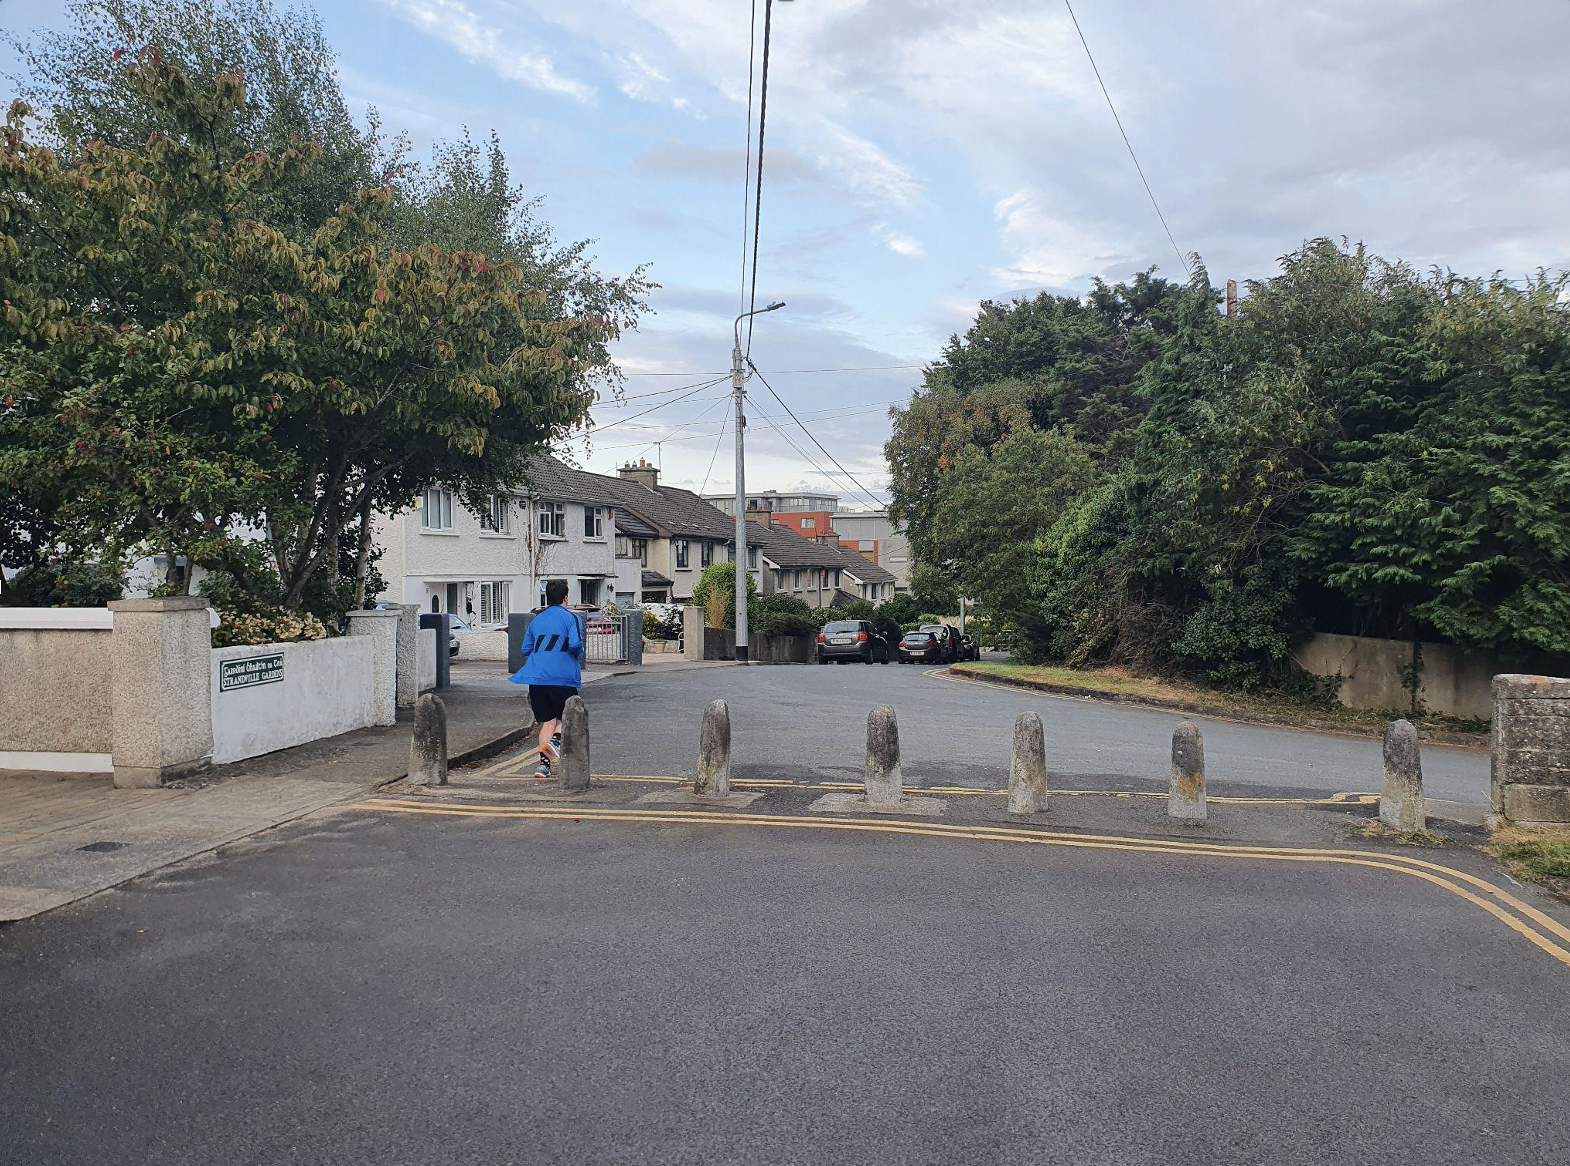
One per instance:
[(738, 385)]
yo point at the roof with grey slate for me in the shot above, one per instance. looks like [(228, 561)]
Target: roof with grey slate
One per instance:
[(672, 509), (654, 579), (630, 524), (549, 478), (864, 568), (785, 548)]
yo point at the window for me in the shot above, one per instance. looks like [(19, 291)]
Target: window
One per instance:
[(589, 591), (809, 524), (795, 579), (779, 579), (681, 554), (495, 601), (553, 520), (497, 515), (752, 557), (640, 550), (705, 553), (594, 522), (623, 547), (436, 510)]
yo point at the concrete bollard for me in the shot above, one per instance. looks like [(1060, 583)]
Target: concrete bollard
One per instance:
[(714, 751), (1401, 801), (572, 774), (1028, 767), (885, 784), (1186, 794), (428, 746)]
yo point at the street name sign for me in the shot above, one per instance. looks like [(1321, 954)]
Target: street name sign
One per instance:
[(250, 671)]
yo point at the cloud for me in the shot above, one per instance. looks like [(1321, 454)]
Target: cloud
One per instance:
[(1047, 250), (902, 244), (463, 29)]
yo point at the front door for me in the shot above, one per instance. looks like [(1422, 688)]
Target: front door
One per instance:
[(452, 597)]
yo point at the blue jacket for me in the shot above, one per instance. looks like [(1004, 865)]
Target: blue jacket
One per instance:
[(552, 649)]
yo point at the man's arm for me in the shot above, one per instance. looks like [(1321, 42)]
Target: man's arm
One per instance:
[(575, 635)]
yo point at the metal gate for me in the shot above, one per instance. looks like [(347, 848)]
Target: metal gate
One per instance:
[(614, 639)]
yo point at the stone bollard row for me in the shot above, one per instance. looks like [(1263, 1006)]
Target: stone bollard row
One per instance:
[(1401, 799), (428, 745), (713, 778), (1186, 793)]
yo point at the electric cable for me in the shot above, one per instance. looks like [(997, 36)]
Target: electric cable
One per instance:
[(1175, 248), (718, 441), (868, 493), (757, 201)]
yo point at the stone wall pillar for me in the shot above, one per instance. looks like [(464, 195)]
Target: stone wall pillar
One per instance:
[(1531, 749), (382, 628), (160, 678), (408, 654), (692, 636)]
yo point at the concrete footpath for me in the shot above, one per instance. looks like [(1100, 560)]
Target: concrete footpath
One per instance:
[(64, 836)]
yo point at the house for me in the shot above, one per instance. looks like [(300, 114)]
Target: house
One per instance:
[(792, 565), (813, 515), (688, 533), (483, 564)]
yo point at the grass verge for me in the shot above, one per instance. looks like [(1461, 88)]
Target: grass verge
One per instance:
[(1534, 857), (1120, 684), (1377, 831)]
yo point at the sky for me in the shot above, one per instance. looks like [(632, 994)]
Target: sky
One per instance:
[(922, 156)]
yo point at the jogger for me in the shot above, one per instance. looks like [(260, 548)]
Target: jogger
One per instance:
[(552, 668)]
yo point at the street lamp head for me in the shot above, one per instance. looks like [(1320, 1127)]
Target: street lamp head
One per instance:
[(777, 304)]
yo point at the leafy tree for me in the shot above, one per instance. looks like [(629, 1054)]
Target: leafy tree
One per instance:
[(715, 592), (79, 75), (179, 369), (991, 507)]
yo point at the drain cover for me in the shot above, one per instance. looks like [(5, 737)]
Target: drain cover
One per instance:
[(100, 847)]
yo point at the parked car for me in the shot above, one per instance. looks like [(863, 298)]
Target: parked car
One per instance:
[(454, 624), (852, 639), (595, 622), (969, 649), (920, 647), (947, 637)]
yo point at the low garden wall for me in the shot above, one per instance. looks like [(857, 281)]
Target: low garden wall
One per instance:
[(271, 696), (1451, 680), (137, 688), (55, 707)]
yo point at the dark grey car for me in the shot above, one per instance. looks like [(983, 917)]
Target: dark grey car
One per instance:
[(851, 639)]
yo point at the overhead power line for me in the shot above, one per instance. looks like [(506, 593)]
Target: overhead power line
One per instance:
[(1178, 251), (757, 199), (779, 372), (868, 493), (746, 168), (663, 404), (717, 442)]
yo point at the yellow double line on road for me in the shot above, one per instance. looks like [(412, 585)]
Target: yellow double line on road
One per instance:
[(1540, 929), (516, 769)]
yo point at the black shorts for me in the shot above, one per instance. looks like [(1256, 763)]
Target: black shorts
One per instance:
[(546, 701)]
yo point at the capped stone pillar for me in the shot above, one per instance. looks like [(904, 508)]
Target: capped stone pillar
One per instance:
[(160, 680), (381, 627)]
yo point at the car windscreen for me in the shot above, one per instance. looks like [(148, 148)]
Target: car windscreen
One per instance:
[(843, 625)]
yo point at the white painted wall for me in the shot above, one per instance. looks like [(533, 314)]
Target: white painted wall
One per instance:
[(328, 687)]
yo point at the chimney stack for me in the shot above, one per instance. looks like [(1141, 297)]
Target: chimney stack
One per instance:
[(642, 473)]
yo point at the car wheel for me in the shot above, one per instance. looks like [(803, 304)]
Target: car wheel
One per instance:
[(821, 660)]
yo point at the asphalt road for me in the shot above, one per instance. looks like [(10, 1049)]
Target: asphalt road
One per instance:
[(803, 721), (383, 989)]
